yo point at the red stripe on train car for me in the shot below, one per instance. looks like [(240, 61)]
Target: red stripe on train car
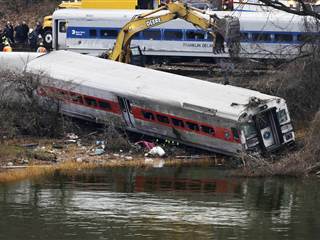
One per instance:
[(219, 132)]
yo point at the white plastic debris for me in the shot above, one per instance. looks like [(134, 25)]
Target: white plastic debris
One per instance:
[(157, 151), (72, 136)]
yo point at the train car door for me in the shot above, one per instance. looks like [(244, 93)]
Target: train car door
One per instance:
[(267, 128), (125, 107), (60, 34)]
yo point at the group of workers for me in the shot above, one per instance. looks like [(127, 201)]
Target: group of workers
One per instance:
[(21, 35)]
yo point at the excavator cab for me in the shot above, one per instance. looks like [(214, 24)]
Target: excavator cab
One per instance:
[(137, 58)]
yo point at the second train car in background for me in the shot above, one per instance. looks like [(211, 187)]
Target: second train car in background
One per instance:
[(275, 35)]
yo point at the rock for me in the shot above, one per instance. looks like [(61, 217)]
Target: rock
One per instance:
[(128, 158), (79, 160), (10, 164)]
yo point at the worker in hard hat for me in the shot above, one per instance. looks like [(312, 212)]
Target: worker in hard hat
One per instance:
[(41, 48), (6, 45)]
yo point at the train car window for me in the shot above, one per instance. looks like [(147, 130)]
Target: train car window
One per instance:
[(244, 36), (62, 27), (108, 33), (261, 37), (90, 101), (61, 94), (280, 37), (196, 35), (151, 34), (172, 35), (136, 36), (104, 105), (148, 115), (163, 119), (235, 133), (305, 37), (177, 122), (76, 98), (208, 130), (192, 126), (93, 33)]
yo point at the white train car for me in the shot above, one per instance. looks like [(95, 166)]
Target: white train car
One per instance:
[(264, 34), (215, 117)]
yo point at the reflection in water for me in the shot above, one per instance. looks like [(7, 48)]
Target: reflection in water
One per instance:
[(167, 203)]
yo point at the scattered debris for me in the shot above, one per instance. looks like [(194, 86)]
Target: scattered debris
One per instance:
[(57, 146), (156, 151), (146, 144), (29, 145), (99, 151), (72, 136), (24, 161)]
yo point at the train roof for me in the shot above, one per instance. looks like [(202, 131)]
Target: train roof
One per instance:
[(250, 21), (138, 82)]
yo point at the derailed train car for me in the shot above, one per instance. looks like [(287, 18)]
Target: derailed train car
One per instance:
[(215, 117)]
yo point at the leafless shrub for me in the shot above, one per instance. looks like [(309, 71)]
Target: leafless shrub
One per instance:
[(297, 82), (22, 112), (116, 138)]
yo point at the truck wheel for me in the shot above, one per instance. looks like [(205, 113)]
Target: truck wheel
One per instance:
[(47, 39)]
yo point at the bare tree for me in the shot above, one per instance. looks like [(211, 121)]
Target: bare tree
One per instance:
[(303, 9)]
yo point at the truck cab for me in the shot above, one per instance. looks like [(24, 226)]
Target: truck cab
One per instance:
[(95, 4)]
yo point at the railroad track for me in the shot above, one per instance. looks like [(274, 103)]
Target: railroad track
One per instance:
[(212, 69)]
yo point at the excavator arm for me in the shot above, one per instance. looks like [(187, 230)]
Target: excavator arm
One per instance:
[(225, 29)]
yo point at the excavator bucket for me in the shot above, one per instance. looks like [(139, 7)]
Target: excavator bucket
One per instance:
[(228, 30)]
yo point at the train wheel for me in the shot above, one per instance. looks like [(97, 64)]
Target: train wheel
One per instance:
[(47, 39)]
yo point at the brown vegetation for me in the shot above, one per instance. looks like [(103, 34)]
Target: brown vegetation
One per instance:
[(30, 11), (21, 113)]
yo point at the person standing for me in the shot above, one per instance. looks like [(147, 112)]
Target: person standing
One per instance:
[(41, 48), (6, 44), (18, 33), (38, 29), (25, 32), (9, 32)]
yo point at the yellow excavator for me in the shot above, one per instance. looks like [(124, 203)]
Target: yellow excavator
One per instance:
[(226, 29)]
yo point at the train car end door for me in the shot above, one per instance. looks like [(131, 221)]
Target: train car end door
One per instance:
[(60, 34)]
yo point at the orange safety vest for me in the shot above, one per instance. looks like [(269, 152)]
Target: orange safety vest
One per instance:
[(41, 50), (7, 49)]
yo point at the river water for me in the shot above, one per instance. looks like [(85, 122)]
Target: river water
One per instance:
[(166, 203)]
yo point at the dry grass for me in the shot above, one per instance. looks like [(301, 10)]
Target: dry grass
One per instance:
[(70, 167)]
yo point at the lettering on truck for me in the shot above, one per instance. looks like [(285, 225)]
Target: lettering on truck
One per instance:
[(153, 22)]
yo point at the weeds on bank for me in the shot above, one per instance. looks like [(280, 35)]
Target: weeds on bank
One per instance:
[(72, 167)]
